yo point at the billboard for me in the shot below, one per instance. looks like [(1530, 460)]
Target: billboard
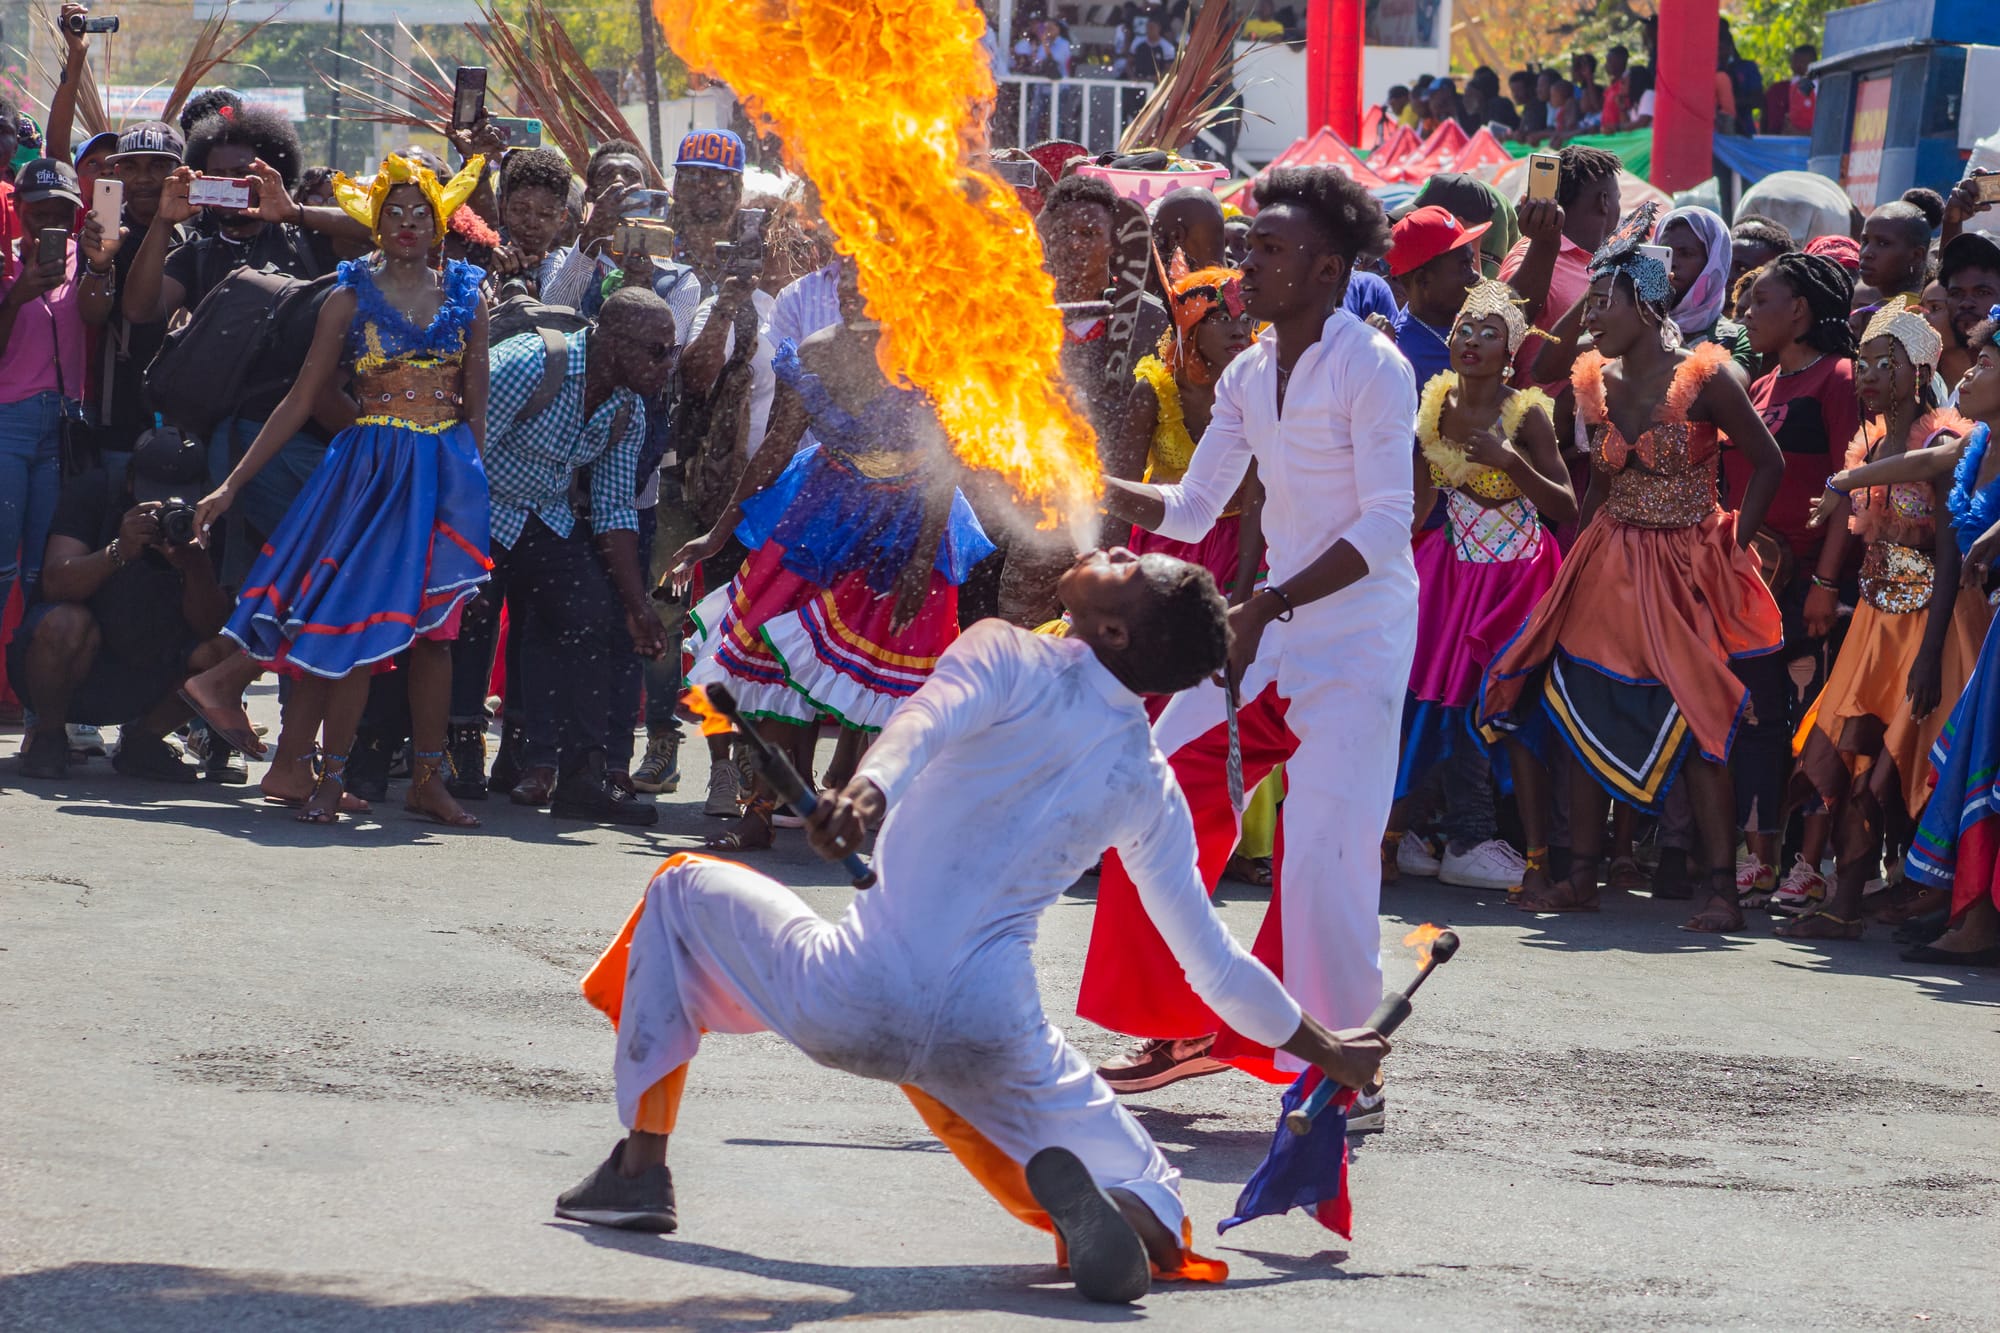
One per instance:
[(1861, 169), (127, 103)]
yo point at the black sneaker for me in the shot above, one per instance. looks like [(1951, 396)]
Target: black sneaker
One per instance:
[(45, 756), (604, 1198), (586, 792), (367, 774), (507, 766), (1370, 1112), (150, 757), (1155, 1064), (218, 760), (1107, 1260)]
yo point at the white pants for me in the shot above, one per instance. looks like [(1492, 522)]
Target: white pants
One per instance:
[(1343, 678), (722, 948)]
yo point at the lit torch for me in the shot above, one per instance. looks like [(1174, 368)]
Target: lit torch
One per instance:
[(882, 103), (719, 717), (1434, 948)]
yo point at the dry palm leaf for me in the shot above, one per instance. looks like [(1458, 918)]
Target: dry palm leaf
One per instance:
[(1189, 98), (553, 83), (90, 109), (210, 50), (413, 98)]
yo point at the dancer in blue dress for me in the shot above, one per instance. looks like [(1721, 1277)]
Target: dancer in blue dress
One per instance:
[(389, 539)]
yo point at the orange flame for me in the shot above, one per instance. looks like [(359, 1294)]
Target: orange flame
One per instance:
[(882, 103), (712, 722), (1421, 939)]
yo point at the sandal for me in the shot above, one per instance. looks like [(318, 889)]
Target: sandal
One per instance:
[(1911, 902), (1564, 895), (1723, 919), (249, 742), (330, 770), (350, 804), (425, 766), (1831, 927), (1625, 875), (1252, 870), (1535, 858), (752, 833)]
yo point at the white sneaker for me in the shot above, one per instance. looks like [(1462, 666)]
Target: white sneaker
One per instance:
[(1754, 881), (1491, 865), (1415, 857), (85, 740), (1802, 890)]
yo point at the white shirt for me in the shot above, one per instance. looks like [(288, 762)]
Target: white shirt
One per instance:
[(1008, 774), (806, 306), (1335, 466), (763, 381)]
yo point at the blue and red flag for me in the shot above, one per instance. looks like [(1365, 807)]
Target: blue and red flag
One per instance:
[(1303, 1171)]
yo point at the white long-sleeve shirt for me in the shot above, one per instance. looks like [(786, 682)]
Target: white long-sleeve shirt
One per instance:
[(1335, 465), (1016, 765)]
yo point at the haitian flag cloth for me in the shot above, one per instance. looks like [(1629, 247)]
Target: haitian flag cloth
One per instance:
[(1303, 1171)]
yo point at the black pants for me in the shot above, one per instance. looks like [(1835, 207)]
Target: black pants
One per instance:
[(568, 645)]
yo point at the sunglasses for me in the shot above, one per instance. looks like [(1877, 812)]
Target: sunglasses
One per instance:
[(658, 351)]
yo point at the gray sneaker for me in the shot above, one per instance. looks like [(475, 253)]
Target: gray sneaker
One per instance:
[(1107, 1260), (1370, 1112), (660, 770), (725, 789), (604, 1198)]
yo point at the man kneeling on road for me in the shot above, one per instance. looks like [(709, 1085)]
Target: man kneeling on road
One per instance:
[(126, 614), (1004, 778)]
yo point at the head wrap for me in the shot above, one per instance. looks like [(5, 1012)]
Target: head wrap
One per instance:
[(1190, 299), (1842, 250), (1625, 253), (1489, 297), (1698, 311), (1909, 327), (363, 203)]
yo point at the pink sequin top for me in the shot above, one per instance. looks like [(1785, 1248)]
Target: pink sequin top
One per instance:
[(1667, 477)]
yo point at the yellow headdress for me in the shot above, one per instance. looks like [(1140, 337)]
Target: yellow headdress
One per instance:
[(363, 203)]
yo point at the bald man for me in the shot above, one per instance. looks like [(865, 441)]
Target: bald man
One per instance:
[(1190, 219)]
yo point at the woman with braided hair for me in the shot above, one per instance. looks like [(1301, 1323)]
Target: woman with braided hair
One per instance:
[(1629, 655), (1864, 745), (1796, 318)]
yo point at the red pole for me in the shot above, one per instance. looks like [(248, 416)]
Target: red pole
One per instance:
[(1684, 95), (1333, 67)]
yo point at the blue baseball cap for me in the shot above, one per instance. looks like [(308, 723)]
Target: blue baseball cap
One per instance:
[(102, 139), (719, 150)]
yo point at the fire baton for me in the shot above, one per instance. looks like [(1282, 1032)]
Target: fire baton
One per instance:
[(1388, 1016), (785, 781)]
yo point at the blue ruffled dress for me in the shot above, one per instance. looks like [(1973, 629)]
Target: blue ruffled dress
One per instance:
[(804, 628), (390, 537)]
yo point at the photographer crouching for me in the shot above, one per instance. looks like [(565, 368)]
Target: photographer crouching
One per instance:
[(129, 608)]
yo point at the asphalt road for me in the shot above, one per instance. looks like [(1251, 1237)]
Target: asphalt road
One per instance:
[(258, 1076)]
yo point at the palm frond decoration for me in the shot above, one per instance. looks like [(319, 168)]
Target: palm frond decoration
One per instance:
[(47, 72), (1189, 98), (553, 83), (409, 96), (210, 49)]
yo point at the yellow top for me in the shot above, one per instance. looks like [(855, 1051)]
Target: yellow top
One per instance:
[(1172, 448), (1450, 468)]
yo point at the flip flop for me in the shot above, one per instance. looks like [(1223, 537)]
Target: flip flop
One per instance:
[(1107, 1260), (237, 738)]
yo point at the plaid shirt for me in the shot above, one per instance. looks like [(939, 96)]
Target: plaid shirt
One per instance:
[(529, 463)]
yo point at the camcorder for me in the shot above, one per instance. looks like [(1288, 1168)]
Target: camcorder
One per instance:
[(743, 254)]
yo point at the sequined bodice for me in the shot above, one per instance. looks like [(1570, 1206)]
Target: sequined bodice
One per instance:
[(1667, 477), (405, 375)]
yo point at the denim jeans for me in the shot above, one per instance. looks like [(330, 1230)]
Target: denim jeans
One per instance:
[(30, 480), (255, 516)]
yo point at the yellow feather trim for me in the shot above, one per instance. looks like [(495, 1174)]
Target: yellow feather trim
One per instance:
[(1449, 466)]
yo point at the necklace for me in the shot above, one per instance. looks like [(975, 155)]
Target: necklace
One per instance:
[(1803, 369)]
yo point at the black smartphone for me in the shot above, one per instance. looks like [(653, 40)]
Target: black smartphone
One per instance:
[(52, 245), (745, 257), (468, 96)]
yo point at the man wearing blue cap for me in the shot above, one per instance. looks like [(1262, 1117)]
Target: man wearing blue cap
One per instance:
[(708, 189)]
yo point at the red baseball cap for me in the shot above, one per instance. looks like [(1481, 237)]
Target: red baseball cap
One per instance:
[(1424, 234)]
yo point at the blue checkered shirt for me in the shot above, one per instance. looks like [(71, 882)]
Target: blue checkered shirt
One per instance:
[(529, 462)]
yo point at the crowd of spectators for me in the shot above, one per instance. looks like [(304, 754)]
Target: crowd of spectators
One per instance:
[(1551, 105)]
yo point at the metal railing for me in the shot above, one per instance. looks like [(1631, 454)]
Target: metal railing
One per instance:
[(1092, 112)]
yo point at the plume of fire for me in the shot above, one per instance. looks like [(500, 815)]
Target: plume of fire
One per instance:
[(712, 722), (1420, 939), (882, 104)]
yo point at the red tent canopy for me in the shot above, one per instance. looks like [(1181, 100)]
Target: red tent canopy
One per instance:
[(1325, 148)]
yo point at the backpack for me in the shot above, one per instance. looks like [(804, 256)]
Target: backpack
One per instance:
[(516, 313), (240, 351), (555, 369)]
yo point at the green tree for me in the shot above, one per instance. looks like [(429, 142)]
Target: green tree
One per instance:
[(1767, 31)]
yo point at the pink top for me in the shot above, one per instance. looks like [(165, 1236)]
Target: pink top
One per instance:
[(28, 366)]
